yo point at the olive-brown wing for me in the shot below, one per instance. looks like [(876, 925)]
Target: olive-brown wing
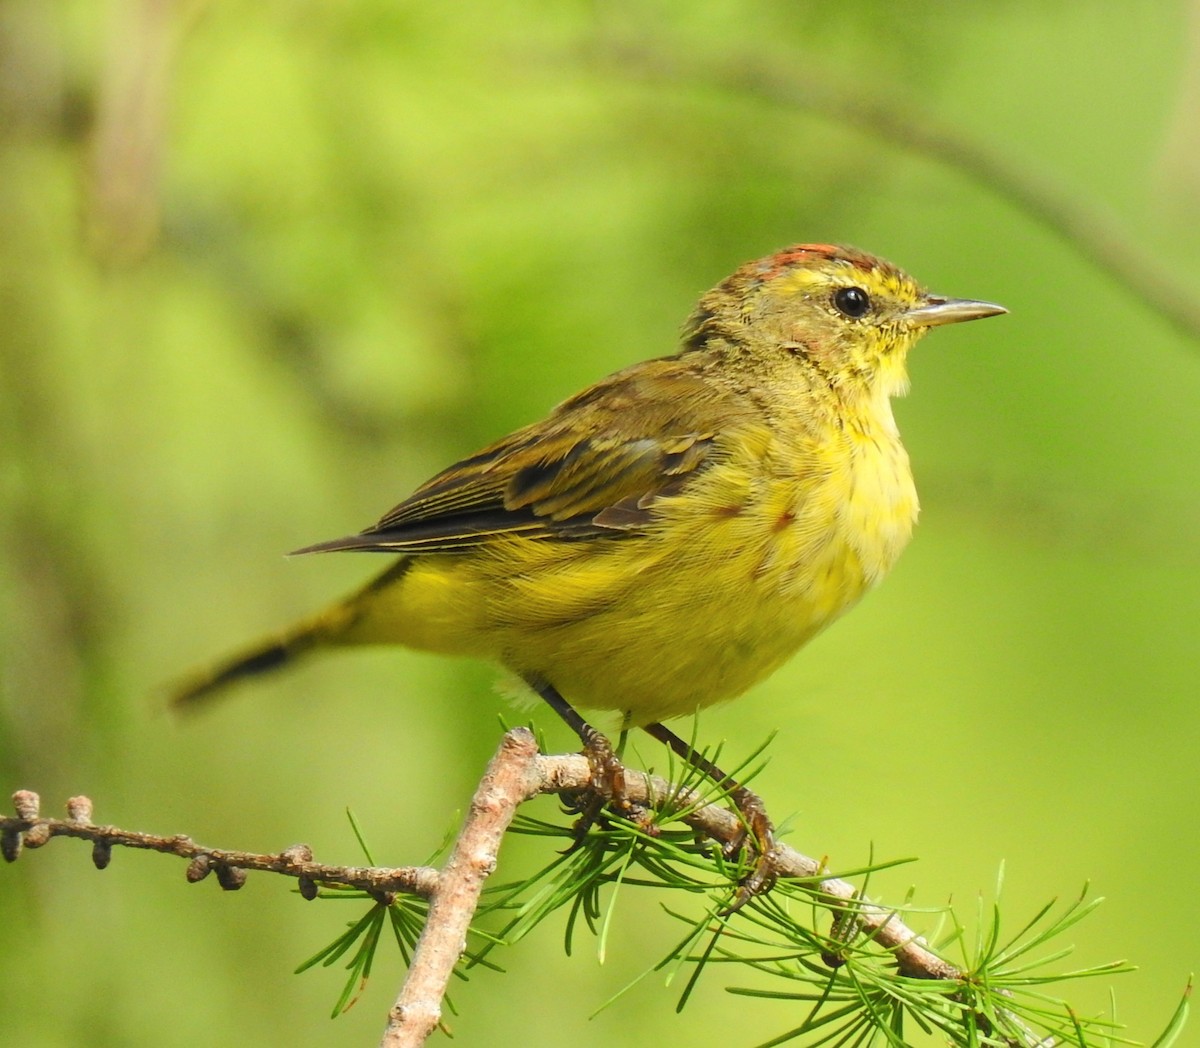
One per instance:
[(594, 467)]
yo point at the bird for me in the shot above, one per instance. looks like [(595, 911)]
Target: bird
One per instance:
[(669, 536)]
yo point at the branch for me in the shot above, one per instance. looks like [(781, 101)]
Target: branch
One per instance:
[(570, 773), (29, 830), (505, 784), (516, 773)]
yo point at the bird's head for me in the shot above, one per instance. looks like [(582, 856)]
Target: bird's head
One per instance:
[(853, 316)]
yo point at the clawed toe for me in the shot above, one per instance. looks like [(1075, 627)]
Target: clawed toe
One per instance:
[(607, 772), (757, 835), (608, 791)]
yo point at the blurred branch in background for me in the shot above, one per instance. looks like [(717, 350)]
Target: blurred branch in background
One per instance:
[(131, 130), (1179, 169), (130, 138), (55, 602), (889, 113)]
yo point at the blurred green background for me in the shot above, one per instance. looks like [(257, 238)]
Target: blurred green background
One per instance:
[(266, 266)]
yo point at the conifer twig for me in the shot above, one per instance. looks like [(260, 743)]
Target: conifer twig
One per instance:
[(569, 772), (30, 830), (516, 773)]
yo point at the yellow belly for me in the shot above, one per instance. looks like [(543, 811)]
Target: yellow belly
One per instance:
[(735, 575)]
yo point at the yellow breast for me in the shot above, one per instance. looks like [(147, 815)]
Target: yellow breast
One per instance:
[(880, 503), (763, 551)]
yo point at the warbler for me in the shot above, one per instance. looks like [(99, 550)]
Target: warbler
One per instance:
[(669, 536)]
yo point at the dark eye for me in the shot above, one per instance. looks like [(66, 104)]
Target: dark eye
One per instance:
[(852, 301)]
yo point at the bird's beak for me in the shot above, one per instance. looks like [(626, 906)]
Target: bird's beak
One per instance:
[(938, 311)]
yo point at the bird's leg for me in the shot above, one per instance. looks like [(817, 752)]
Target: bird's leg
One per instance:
[(750, 806), (607, 772)]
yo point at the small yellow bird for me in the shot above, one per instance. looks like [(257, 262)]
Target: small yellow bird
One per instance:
[(672, 534)]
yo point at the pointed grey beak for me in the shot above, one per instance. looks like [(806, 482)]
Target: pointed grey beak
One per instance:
[(938, 311)]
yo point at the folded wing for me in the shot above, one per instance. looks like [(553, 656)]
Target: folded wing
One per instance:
[(595, 467)]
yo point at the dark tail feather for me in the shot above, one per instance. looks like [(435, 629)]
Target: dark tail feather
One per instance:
[(267, 657)]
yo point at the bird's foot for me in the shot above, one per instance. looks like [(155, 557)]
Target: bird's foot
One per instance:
[(606, 790), (758, 837)]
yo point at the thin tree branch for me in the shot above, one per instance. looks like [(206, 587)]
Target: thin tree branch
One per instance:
[(29, 830), (516, 773), (570, 773)]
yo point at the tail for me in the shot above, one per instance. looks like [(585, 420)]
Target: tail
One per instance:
[(335, 626), (268, 656)]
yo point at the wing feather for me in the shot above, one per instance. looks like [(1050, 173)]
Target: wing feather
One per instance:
[(595, 467)]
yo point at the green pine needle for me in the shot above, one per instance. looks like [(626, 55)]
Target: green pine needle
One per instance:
[(1006, 998)]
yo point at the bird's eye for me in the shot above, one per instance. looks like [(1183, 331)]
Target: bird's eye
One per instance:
[(853, 302)]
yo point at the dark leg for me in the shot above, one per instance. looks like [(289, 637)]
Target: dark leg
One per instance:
[(749, 805)]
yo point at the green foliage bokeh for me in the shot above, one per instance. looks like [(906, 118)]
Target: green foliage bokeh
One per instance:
[(264, 267)]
